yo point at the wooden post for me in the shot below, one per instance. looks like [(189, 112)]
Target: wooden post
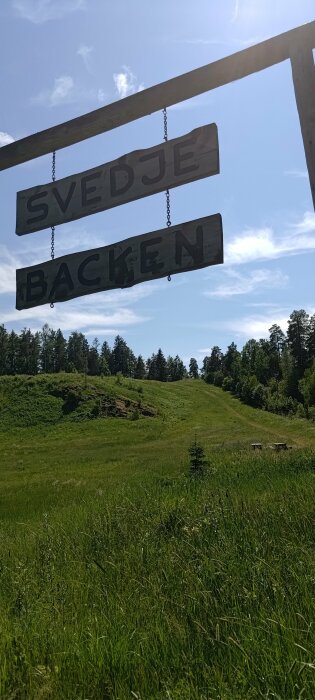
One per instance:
[(303, 73)]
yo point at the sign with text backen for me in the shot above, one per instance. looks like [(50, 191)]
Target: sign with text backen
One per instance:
[(188, 246), (135, 175)]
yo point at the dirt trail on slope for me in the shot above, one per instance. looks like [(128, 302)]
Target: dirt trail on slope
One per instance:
[(300, 441)]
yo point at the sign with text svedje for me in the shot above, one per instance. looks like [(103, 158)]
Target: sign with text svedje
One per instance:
[(138, 174), (188, 246)]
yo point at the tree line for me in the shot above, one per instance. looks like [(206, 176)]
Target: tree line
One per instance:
[(276, 374), (48, 351)]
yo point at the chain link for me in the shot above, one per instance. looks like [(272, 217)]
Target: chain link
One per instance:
[(167, 193), (52, 240)]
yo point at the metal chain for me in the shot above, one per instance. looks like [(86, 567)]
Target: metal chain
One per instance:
[(167, 193), (52, 240)]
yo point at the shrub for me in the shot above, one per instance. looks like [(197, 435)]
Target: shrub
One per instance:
[(228, 384)]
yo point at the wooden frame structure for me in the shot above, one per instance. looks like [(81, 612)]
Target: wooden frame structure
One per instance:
[(295, 45)]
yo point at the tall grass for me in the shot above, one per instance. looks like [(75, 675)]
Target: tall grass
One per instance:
[(166, 588)]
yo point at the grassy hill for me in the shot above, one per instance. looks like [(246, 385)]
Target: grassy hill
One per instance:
[(120, 577)]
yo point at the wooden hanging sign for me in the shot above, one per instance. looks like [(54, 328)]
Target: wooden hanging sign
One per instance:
[(135, 175), (188, 246)]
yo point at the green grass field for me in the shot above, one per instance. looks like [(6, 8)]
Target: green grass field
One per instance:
[(120, 576)]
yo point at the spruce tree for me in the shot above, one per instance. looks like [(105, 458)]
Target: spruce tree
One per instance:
[(193, 368), (139, 372), (198, 463)]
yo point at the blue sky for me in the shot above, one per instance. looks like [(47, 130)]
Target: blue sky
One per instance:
[(62, 58)]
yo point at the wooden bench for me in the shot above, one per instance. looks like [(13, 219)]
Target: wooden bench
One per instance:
[(256, 445)]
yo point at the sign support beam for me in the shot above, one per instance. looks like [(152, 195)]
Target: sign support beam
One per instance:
[(211, 76), (303, 73)]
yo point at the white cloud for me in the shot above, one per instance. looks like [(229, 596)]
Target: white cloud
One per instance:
[(66, 91), (126, 83), (307, 225), (66, 241), (263, 305), (262, 244), (8, 265), (85, 53), (101, 95), (96, 332), (236, 10), (204, 351), (201, 41), (254, 244), (204, 42), (40, 11), (245, 284), (73, 318), (296, 173), (255, 326), (5, 139), (61, 92)]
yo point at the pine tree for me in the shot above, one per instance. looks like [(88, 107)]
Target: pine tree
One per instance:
[(122, 358), (105, 359), (193, 368), (94, 358), (139, 372), (170, 369), (77, 352), (12, 352), (161, 369), (277, 338), (298, 336), (311, 339), (248, 356), (28, 351), (60, 352), (4, 341), (277, 344), (47, 352), (212, 364), (179, 371)]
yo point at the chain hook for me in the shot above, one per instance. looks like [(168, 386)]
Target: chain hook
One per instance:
[(167, 193)]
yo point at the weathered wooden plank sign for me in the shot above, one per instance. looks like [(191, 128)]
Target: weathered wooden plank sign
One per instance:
[(188, 246), (135, 175)]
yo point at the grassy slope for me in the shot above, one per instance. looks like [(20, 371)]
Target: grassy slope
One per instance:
[(53, 463), (118, 574)]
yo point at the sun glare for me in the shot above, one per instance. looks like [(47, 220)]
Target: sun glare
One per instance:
[(259, 16)]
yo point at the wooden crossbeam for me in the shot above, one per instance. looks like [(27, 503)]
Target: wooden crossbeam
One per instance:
[(226, 70), (303, 73)]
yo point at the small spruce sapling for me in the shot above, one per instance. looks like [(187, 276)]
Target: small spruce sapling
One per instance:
[(198, 463)]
